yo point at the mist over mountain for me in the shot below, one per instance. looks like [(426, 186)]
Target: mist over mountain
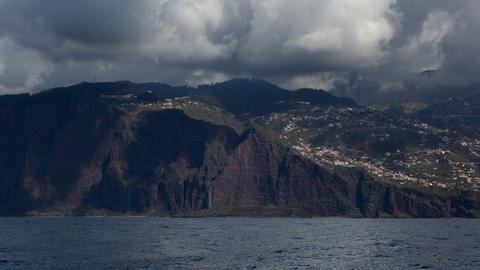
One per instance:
[(420, 89), (357, 48)]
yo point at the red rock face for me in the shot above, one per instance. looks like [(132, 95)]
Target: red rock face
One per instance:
[(248, 177), (260, 172), (77, 152), (263, 173), (165, 168)]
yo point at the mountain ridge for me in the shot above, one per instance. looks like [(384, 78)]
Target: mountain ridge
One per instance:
[(116, 148)]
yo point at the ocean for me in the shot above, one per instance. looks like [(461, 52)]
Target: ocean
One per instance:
[(238, 243)]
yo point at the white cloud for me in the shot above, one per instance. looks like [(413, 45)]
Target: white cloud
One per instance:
[(326, 34), (322, 80), (184, 31), (222, 38), (423, 51), (200, 77), (322, 40), (20, 69), (294, 43)]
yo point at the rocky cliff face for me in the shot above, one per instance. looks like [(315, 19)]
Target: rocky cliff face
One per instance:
[(166, 165), (260, 172), (73, 152), (46, 144)]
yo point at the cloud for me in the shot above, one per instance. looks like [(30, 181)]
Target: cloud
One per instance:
[(192, 32), (2, 68), (423, 50), (296, 43), (20, 68), (461, 60), (320, 80), (201, 77), (318, 36), (431, 34)]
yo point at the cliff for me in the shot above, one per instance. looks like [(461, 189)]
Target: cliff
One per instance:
[(77, 153)]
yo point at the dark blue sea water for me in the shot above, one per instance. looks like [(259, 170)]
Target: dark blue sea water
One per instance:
[(238, 243)]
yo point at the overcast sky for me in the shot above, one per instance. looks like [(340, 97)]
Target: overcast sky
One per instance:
[(301, 43)]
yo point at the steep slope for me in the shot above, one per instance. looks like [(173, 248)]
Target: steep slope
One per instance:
[(261, 172), (84, 151), (164, 166), (46, 140)]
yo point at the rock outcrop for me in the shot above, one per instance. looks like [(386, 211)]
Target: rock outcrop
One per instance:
[(73, 152)]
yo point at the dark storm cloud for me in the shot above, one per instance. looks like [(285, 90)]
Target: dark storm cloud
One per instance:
[(301, 43), (75, 29), (461, 47)]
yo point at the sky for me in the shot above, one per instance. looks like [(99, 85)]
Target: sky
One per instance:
[(301, 43)]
